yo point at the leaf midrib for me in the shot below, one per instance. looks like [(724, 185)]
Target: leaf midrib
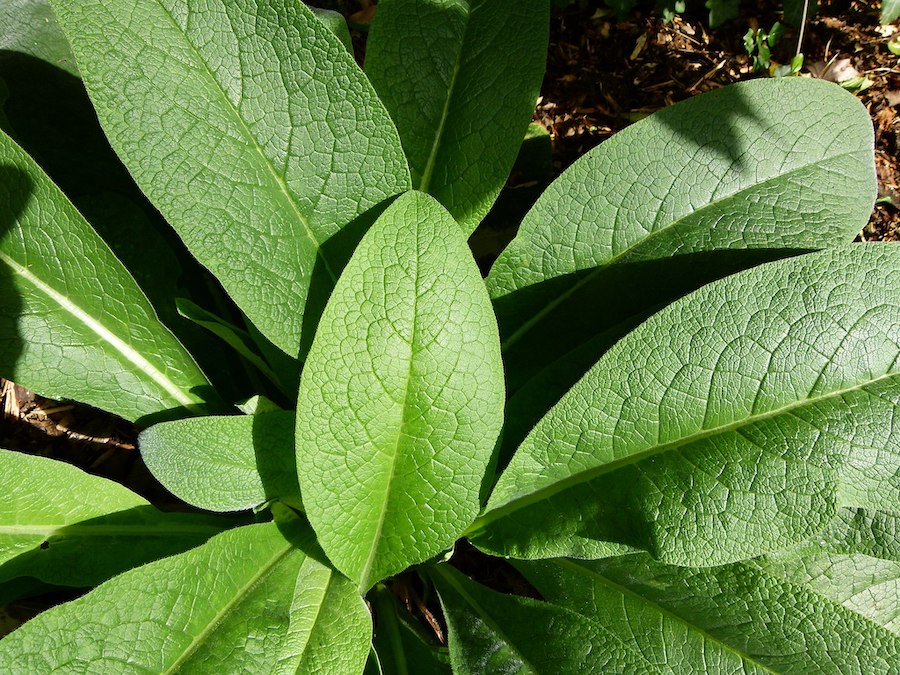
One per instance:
[(382, 516), (119, 345), (264, 571), (599, 268), (250, 139), (609, 583), (581, 477), (320, 605), (428, 171)]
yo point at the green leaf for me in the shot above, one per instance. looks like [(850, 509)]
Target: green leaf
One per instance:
[(49, 530), (225, 463), (402, 646), (226, 606), (330, 629), (734, 618), (890, 11), (490, 632), (732, 423), (692, 193), (460, 79), (73, 323), (337, 24), (30, 27), (855, 562), (401, 396), (267, 141), (236, 338), (48, 113)]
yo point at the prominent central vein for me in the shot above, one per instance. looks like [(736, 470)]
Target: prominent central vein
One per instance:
[(382, 516), (576, 479), (428, 172), (250, 139), (127, 351), (239, 595)]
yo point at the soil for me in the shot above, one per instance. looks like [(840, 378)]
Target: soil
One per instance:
[(603, 73)]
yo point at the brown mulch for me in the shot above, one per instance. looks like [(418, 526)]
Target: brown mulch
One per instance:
[(603, 74)]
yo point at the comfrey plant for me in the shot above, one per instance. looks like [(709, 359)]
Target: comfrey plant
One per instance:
[(671, 406)]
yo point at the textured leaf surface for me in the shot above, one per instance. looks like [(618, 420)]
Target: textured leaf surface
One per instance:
[(649, 214), (401, 398), (890, 11), (66, 527), (460, 79), (225, 463), (732, 423), (729, 619), (73, 323), (226, 606), (491, 632), (855, 562), (330, 629), (252, 130), (337, 24)]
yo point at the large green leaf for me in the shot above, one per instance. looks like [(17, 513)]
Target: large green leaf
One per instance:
[(401, 399), (73, 323), (246, 601), (695, 192), (735, 618), (491, 632), (460, 79), (732, 423), (252, 130), (225, 463), (63, 526), (855, 562)]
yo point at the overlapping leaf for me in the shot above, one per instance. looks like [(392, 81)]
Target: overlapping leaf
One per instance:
[(401, 398), (491, 632), (732, 423), (225, 463), (855, 562), (49, 530), (443, 69), (734, 618), (73, 323), (702, 189), (251, 129), (226, 606)]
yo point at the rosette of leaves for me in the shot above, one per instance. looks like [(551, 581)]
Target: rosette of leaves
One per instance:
[(671, 404)]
